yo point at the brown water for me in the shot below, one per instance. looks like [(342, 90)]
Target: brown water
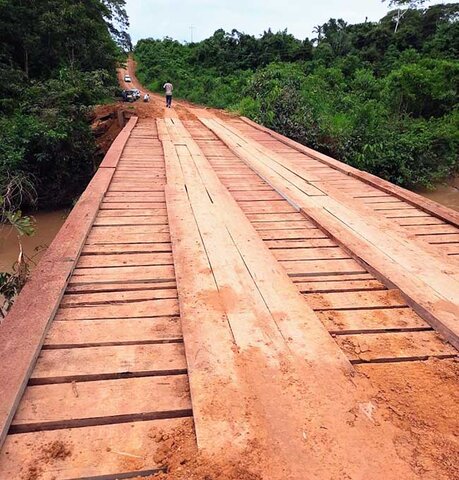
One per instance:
[(47, 225), (447, 195)]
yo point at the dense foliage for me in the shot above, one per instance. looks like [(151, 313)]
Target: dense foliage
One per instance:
[(57, 59), (382, 100)]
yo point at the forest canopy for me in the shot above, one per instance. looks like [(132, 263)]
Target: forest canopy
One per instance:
[(57, 59), (381, 96)]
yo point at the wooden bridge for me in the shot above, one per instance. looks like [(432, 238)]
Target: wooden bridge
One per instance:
[(214, 270)]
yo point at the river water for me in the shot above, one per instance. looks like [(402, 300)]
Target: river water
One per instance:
[(446, 195), (49, 223)]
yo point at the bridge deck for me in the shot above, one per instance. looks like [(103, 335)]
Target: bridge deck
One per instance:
[(218, 261)]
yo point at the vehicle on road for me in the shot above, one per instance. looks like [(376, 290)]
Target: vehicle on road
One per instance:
[(136, 93), (129, 96), (127, 79)]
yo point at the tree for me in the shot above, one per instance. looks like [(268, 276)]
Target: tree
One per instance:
[(319, 30), (403, 7)]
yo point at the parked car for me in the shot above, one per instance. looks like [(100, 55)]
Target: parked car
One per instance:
[(127, 79), (128, 96)]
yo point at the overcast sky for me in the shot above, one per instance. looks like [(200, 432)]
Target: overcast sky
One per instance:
[(173, 18)]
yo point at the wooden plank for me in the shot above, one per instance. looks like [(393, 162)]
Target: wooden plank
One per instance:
[(339, 286), (158, 213), (209, 343), (279, 207), (371, 320), (155, 284), (111, 331), (285, 225), (310, 253), (76, 364), (132, 206), (273, 217), (100, 238), (376, 347), (107, 451), (300, 234), (96, 249), (122, 274), (131, 220), (295, 244), (441, 239), (339, 277), (120, 260), (137, 309), (319, 267), (427, 220), (68, 405), (71, 300), (101, 232), (355, 300)]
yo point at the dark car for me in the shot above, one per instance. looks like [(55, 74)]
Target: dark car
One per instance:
[(129, 96)]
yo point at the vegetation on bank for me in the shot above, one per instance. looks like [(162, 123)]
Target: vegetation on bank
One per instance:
[(57, 59), (382, 100)]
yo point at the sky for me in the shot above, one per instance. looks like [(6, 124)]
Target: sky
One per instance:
[(173, 18)]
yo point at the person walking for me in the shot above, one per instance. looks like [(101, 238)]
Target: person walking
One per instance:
[(169, 88)]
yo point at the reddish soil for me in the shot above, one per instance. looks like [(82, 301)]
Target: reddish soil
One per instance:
[(105, 126), (422, 399), (51, 452), (182, 461)]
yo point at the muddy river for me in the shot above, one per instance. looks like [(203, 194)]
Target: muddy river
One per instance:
[(49, 223), (446, 195)]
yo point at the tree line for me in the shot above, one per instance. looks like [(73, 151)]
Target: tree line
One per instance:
[(381, 96), (57, 59)]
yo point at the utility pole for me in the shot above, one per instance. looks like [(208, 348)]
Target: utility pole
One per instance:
[(191, 32)]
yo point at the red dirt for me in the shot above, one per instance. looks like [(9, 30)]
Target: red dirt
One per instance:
[(422, 399), (49, 453), (179, 455)]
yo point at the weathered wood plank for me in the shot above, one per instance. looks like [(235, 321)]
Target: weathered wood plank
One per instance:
[(71, 300), (137, 309), (368, 320), (123, 274), (110, 331), (96, 402), (75, 364), (128, 259), (355, 300)]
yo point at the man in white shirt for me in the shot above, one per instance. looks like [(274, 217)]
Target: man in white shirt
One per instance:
[(169, 88)]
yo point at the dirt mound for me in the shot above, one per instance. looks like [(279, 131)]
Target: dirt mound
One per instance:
[(181, 460)]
